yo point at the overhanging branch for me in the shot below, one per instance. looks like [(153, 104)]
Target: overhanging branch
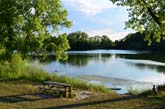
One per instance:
[(155, 18)]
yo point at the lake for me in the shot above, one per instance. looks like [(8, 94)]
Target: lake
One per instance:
[(128, 70)]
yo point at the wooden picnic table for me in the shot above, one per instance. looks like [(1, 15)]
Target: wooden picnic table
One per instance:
[(57, 86)]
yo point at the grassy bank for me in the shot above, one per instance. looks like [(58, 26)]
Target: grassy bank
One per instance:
[(17, 69), (22, 95)]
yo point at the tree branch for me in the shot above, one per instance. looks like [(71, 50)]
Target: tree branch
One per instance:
[(155, 18)]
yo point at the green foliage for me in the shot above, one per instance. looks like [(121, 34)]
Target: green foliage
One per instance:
[(25, 24), (161, 87), (34, 74), (146, 15), (78, 40), (58, 45), (4, 55), (134, 91), (79, 83), (81, 41), (12, 68), (148, 92), (136, 41), (106, 43), (142, 93), (133, 42)]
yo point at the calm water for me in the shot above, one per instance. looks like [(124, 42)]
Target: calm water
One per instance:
[(113, 68)]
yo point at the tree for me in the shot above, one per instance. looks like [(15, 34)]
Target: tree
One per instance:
[(95, 42), (78, 40), (59, 45), (106, 43), (26, 24), (81, 41), (146, 15), (135, 41)]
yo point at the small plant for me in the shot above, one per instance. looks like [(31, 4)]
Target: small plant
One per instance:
[(161, 87), (134, 91)]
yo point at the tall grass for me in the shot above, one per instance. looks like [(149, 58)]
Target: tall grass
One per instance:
[(12, 68), (134, 91), (148, 92), (18, 69), (38, 75), (161, 87), (79, 83), (151, 92)]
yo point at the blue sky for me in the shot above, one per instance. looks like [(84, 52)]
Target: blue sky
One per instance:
[(97, 17)]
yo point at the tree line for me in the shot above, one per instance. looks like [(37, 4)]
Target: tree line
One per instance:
[(81, 41), (133, 41), (138, 41)]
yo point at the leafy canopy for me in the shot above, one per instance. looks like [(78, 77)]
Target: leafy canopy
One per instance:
[(81, 41), (146, 15), (26, 24)]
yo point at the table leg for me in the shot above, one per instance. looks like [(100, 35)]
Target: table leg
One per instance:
[(66, 92), (70, 91)]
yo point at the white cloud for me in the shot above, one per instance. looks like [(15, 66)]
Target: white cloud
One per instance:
[(111, 34), (90, 7), (103, 21)]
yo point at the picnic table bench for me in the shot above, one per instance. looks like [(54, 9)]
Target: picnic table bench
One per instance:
[(56, 87)]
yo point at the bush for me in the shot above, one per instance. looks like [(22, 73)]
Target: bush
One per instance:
[(161, 87), (12, 68), (4, 56)]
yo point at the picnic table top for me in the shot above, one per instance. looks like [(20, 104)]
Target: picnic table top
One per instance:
[(57, 83)]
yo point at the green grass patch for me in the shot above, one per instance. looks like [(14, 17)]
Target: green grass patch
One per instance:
[(161, 89)]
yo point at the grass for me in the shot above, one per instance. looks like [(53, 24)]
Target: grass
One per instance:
[(17, 69), (20, 94), (161, 89), (134, 91), (38, 75)]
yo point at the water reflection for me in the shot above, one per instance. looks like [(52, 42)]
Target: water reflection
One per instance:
[(80, 60), (143, 61), (138, 67), (158, 57), (160, 69)]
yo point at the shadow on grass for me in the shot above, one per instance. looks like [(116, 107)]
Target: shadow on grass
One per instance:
[(154, 103), (92, 103), (24, 98)]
